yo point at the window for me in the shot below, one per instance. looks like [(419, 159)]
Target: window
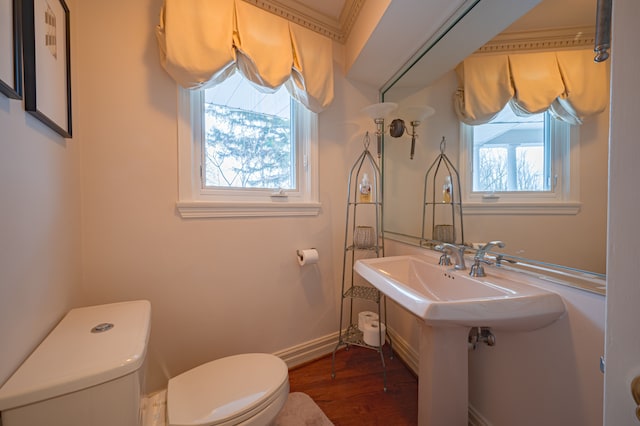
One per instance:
[(515, 164), (511, 153), (248, 142), (244, 152)]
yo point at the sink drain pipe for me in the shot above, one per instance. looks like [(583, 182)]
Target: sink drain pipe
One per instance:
[(481, 335)]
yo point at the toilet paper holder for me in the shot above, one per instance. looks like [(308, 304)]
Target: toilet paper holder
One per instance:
[(299, 252), (307, 256)]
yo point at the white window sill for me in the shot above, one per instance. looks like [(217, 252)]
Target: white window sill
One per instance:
[(530, 208), (203, 209)]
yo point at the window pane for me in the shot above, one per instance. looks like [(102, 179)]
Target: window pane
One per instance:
[(530, 166), (492, 170), (510, 153), (248, 137)]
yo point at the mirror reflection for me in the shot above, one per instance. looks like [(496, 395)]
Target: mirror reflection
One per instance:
[(560, 218)]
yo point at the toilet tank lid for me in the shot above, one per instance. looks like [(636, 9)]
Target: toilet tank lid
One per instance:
[(76, 356)]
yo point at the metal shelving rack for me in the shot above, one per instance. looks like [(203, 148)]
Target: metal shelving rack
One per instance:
[(355, 287), (437, 211)]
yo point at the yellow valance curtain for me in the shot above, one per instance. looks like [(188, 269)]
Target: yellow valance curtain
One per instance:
[(568, 83), (202, 42)]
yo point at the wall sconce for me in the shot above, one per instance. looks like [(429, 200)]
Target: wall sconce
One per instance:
[(414, 114), (378, 112)]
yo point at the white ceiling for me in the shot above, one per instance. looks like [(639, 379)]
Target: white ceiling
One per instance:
[(552, 14)]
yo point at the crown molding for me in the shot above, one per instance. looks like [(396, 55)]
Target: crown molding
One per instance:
[(291, 10), (556, 39)]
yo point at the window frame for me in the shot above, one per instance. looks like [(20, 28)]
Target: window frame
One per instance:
[(196, 201), (561, 199)]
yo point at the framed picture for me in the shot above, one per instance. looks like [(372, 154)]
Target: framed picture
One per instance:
[(10, 49), (47, 66)]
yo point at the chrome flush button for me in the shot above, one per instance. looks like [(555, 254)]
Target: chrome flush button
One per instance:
[(101, 328)]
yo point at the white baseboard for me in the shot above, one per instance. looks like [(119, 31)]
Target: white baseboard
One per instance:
[(308, 351), (317, 348)]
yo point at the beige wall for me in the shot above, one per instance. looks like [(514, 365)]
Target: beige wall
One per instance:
[(39, 231), (217, 286)]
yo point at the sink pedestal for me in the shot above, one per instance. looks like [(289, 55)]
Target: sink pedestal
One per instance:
[(443, 385)]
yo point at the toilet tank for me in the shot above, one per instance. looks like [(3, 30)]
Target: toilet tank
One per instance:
[(87, 371)]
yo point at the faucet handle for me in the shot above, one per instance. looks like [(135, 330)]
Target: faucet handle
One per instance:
[(488, 246), (477, 270), (444, 247), (455, 251)]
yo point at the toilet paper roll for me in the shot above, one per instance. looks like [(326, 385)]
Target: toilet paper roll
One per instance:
[(307, 257), (366, 317), (373, 332)]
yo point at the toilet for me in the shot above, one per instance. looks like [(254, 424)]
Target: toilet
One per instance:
[(90, 371), (255, 388)]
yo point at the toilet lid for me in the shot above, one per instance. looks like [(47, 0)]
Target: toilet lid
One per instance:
[(225, 389)]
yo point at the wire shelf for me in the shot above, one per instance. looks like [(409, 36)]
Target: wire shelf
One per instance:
[(362, 292), (362, 212), (354, 336)]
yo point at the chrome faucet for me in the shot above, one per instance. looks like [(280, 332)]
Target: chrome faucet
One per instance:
[(477, 269), (482, 251), (456, 251)]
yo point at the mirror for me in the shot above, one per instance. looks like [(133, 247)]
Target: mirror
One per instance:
[(574, 240)]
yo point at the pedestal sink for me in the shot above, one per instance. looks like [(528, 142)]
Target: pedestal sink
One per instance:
[(450, 302)]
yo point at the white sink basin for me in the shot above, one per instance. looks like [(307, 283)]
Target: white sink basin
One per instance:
[(442, 296)]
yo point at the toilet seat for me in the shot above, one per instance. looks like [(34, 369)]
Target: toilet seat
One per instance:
[(229, 390)]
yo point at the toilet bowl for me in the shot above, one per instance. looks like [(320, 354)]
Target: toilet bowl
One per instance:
[(89, 371), (241, 389)]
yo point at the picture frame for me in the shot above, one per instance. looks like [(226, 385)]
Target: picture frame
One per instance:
[(10, 49), (47, 64)]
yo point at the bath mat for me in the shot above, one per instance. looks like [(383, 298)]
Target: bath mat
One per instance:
[(301, 410)]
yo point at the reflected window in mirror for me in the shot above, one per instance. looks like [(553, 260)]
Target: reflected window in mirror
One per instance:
[(511, 153), (519, 161)]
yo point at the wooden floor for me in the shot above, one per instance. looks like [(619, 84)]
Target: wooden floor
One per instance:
[(356, 396)]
